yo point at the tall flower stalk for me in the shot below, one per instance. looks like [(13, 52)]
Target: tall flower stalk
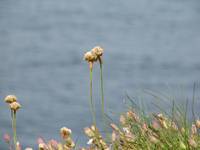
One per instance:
[(91, 99), (98, 51), (91, 58), (14, 106)]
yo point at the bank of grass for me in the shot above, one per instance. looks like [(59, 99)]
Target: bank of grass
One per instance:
[(135, 130)]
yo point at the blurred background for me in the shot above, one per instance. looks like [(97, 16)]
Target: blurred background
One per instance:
[(149, 45)]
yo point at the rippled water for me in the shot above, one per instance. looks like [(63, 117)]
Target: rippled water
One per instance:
[(148, 45)]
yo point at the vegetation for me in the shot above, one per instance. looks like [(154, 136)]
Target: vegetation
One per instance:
[(135, 131)]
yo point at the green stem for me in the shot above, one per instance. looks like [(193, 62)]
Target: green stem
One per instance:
[(102, 98), (14, 128), (102, 91), (91, 100)]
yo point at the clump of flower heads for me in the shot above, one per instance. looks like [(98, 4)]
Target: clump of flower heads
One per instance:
[(95, 139), (94, 55), (66, 141)]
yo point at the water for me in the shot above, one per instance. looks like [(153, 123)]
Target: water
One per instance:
[(148, 45)]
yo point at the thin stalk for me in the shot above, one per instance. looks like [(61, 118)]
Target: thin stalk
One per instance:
[(91, 100), (102, 92), (14, 128), (102, 97)]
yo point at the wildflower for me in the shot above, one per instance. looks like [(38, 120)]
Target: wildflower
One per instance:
[(198, 124), (42, 146), (122, 120), (114, 127), (65, 132), (192, 143), (193, 129), (155, 125), (15, 106), (89, 132), (69, 143), (160, 116), (132, 115), (10, 99), (98, 51), (6, 138), (53, 143), (90, 56)]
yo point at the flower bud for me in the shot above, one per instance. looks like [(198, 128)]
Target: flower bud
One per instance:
[(89, 132), (90, 56), (65, 132), (114, 127), (98, 51), (15, 106), (10, 99)]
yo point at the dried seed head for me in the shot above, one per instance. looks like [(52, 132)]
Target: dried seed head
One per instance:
[(15, 106), (90, 56), (192, 143), (89, 132), (10, 99), (160, 117), (65, 132), (198, 124), (114, 127), (98, 51), (42, 146), (6, 138)]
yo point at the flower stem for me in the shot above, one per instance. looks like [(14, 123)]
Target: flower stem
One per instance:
[(14, 128), (102, 97), (91, 100)]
